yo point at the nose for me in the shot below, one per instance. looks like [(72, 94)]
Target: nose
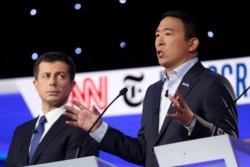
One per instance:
[(159, 41), (52, 81)]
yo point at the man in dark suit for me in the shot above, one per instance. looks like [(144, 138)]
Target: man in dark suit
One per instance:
[(184, 105), (54, 74)]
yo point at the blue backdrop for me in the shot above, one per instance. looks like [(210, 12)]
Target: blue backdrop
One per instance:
[(14, 112)]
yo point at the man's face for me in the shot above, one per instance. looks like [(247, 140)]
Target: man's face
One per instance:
[(53, 83), (171, 46)]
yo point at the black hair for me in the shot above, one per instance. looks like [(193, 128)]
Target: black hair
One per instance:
[(52, 57), (190, 21)]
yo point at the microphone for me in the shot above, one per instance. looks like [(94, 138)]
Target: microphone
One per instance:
[(166, 93), (216, 125), (33, 131), (122, 92)]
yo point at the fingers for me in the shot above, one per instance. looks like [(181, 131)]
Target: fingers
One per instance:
[(178, 102), (67, 114), (175, 103), (78, 105), (180, 99), (82, 116), (73, 112), (75, 107), (183, 112), (73, 123), (95, 110), (72, 109)]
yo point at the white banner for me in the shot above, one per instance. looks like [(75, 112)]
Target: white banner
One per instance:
[(100, 88)]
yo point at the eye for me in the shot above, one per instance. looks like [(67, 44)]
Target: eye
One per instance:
[(167, 34), (61, 75), (45, 76)]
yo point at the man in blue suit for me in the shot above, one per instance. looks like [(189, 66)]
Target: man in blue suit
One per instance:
[(184, 105), (54, 74)]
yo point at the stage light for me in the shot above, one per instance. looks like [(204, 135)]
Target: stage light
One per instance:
[(34, 56), (123, 44), (33, 12), (78, 50), (210, 34), (122, 1), (78, 6)]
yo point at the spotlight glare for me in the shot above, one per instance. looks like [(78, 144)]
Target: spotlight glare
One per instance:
[(78, 50), (123, 44), (34, 56), (78, 6), (33, 12), (122, 1), (210, 34)]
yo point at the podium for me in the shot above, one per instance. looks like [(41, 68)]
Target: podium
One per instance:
[(90, 161), (215, 151)]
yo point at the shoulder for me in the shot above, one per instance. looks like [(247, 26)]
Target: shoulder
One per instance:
[(26, 125)]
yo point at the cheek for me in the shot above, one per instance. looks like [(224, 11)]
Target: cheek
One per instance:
[(67, 88), (155, 45), (38, 87), (179, 48)]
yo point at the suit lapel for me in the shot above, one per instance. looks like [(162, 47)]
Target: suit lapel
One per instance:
[(157, 96), (186, 84), (56, 128), (190, 79), (24, 151)]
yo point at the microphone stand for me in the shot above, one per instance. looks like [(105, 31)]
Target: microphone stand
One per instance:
[(216, 125), (122, 92)]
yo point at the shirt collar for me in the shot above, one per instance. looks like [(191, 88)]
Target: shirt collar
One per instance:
[(53, 115), (180, 70)]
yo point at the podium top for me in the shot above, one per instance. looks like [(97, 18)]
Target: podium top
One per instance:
[(229, 150), (90, 161)]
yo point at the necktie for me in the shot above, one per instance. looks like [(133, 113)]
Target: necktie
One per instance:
[(37, 136)]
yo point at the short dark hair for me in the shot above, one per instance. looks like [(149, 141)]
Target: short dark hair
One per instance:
[(190, 21), (52, 57)]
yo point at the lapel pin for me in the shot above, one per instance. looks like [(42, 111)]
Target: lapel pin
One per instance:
[(185, 84)]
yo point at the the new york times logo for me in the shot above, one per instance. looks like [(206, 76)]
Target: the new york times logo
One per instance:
[(135, 94)]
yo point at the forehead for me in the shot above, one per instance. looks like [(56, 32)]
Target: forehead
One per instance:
[(171, 23), (53, 66)]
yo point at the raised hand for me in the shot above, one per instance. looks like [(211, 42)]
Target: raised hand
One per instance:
[(183, 112), (81, 116)]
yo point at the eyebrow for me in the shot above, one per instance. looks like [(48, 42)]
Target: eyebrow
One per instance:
[(164, 29)]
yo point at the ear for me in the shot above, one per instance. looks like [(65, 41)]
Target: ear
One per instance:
[(73, 85), (35, 83), (193, 44)]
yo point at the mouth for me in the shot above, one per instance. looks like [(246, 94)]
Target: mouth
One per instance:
[(160, 54), (53, 92)]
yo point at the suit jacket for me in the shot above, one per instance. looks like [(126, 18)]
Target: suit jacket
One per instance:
[(207, 93), (60, 143)]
